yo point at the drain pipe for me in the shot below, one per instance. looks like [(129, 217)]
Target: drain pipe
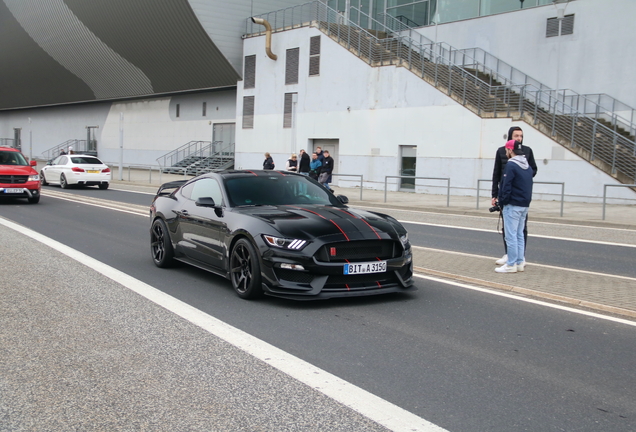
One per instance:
[(268, 36)]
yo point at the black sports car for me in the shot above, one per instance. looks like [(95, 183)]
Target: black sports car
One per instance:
[(279, 233)]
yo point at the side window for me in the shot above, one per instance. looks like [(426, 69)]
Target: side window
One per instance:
[(62, 160), (207, 188)]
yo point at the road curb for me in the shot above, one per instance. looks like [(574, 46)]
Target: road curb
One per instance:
[(529, 292)]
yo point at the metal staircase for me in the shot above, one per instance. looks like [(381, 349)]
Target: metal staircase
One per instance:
[(79, 146), (198, 157), (485, 91)]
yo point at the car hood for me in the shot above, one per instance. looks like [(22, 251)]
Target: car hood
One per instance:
[(16, 170), (327, 222)]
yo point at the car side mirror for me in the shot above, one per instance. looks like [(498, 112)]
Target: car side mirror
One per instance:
[(205, 202), (33, 163), (343, 199)]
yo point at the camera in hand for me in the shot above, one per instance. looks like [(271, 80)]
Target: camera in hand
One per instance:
[(495, 207)]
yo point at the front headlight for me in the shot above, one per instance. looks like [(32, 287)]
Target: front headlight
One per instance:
[(283, 243), (34, 177), (405, 240)]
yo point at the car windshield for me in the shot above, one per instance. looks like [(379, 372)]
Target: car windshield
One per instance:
[(86, 160), (277, 190), (12, 158)]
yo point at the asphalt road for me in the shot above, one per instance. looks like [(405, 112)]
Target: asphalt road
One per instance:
[(464, 360)]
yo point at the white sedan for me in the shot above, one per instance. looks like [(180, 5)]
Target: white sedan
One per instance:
[(76, 169)]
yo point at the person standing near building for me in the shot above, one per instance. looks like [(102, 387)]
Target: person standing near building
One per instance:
[(327, 169), (303, 165), (514, 197), (292, 163), (514, 133), (268, 163), (319, 153), (314, 167)]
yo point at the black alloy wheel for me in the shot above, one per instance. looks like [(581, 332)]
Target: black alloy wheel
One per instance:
[(103, 186), (245, 270), (43, 179), (34, 200), (63, 182), (160, 245)]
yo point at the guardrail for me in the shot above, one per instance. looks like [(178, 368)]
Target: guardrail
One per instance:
[(421, 178), (613, 185), (353, 175), (536, 182)]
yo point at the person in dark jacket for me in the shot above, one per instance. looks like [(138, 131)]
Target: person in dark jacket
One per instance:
[(515, 195), (268, 163), (327, 169), (514, 133), (303, 165), (292, 163), (320, 154)]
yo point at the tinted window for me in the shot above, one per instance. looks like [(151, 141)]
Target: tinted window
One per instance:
[(12, 158), (203, 188), (86, 160), (277, 190)]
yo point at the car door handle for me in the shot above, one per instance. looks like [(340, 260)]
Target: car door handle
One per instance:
[(181, 213)]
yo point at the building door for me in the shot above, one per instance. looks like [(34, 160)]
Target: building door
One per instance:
[(408, 159), (222, 135), (17, 140), (331, 145)]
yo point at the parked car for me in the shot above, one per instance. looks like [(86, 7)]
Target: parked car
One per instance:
[(280, 234), (76, 169), (18, 178)]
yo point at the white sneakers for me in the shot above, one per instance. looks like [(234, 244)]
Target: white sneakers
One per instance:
[(507, 269), (502, 260)]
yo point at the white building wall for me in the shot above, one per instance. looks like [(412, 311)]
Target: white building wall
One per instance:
[(372, 111), (597, 58)]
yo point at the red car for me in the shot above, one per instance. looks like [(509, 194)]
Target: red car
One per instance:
[(18, 179)]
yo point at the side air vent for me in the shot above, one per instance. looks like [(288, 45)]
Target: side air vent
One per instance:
[(249, 77), (287, 116), (248, 112), (552, 26), (314, 56), (291, 66)]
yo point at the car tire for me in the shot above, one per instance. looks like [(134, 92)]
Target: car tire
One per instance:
[(103, 186), (43, 179), (245, 270), (34, 200), (160, 244), (63, 182)]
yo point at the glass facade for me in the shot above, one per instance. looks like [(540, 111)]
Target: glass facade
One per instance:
[(417, 13)]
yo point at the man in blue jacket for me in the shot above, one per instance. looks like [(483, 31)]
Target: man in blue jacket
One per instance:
[(515, 195)]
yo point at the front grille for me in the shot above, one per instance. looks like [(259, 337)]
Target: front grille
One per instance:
[(368, 281), (356, 251), (13, 179), (294, 276)]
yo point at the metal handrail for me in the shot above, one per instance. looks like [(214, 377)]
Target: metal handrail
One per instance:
[(353, 175), (447, 179), (534, 182), (605, 186)]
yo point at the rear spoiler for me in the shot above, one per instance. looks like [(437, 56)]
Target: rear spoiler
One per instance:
[(170, 186)]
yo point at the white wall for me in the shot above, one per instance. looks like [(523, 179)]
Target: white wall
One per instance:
[(597, 58), (372, 111)]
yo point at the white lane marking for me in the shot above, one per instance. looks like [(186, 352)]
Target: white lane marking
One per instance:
[(528, 300), (529, 235), (369, 405), (533, 264), (490, 218), (136, 213), (133, 191)]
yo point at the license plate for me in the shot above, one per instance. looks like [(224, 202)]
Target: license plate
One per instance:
[(93, 171), (363, 268), (13, 190)]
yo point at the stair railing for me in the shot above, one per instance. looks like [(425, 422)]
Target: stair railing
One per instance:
[(189, 149)]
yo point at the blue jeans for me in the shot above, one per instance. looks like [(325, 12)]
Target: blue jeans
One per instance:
[(514, 221)]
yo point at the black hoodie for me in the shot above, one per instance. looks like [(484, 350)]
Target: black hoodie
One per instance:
[(501, 160)]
